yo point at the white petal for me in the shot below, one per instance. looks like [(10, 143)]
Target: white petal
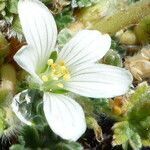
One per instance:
[(86, 47), (64, 116), (39, 28), (15, 108), (26, 58), (99, 81)]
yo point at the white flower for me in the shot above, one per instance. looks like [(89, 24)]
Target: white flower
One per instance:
[(74, 70)]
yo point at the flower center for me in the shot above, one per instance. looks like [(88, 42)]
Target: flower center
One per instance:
[(55, 75)]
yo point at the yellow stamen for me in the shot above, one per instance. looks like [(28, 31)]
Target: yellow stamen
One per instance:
[(54, 66), (55, 78), (60, 85), (62, 63), (65, 71), (66, 76), (56, 74), (44, 78), (50, 62), (63, 68)]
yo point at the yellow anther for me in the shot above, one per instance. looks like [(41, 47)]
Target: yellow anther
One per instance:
[(57, 71), (63, 68), (60, 85), (65, 72), (54, 66), (50, 62), (66, 77), (53, 71), (44, 78), (56, 74), (62, 63), (55, 78)]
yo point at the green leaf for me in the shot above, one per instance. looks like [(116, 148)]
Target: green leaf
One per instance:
[(3, 95), (16, 25), (101, 105), (17, 147), (46, 1), (3, 123), (138, 116), (2, 5), (121, 133), (31, 136), (64, 18), (141, 93), (124, 134), (142, 30), (135, 141), (83, 3), (87, 105), (132, 1), (139, 119), (116, 46), (64, 36), (12, 6), (4, 46), (34, 137), (69, 146)]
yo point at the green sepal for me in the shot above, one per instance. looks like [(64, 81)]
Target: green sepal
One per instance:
[(93, 124), (64, 36), (113, 58), (116, 46), (53, 55), (59, 91), (68, 146), (124, 134)]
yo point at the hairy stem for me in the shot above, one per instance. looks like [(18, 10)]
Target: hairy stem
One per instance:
[(123, 18), (8, 81), (142, 30)]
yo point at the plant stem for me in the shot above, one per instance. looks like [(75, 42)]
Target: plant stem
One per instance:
[(8, 81), (123, 18)]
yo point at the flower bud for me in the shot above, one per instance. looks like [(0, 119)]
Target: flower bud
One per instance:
[(139, 64), (128, 38), (112, 58)]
